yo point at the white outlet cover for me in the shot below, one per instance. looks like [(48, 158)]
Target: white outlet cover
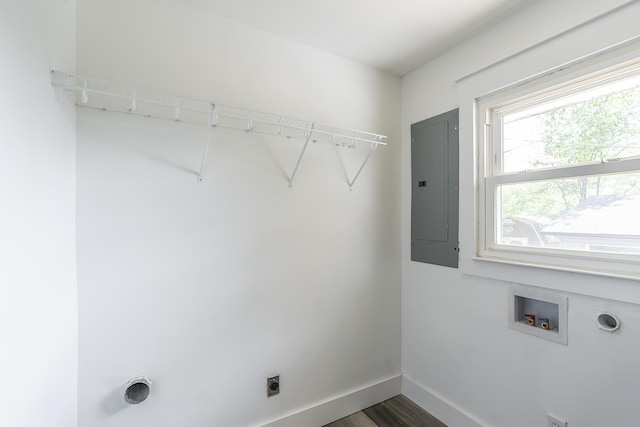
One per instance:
[(556, 422)]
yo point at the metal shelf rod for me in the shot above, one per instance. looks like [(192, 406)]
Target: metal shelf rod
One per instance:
[(64, 80), (215, 115), (177, 107)]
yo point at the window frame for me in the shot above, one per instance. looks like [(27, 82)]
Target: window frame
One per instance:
[(489, 111)]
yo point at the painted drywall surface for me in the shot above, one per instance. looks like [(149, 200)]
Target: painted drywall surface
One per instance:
[(209, 288), (455, 335), (38, 311)]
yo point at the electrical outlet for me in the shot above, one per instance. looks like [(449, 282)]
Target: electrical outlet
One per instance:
[(273, 385), (556, 422)]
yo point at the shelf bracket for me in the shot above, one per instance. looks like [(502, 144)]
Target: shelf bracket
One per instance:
[(371, 150), (304, 148), (210, 125)]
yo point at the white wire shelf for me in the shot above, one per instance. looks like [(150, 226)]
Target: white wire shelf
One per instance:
[(112, 96)]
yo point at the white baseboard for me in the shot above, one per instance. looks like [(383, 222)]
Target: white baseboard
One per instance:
[(438, 406), (342, 406)]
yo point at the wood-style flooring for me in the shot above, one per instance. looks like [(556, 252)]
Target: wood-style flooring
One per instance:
[(396, 412)]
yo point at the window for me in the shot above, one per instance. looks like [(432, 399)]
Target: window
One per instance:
[(560, 172)]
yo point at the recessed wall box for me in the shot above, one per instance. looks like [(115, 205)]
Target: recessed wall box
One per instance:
[(552, 308)]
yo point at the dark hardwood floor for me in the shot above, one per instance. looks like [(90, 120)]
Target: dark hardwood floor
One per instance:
[(396, 412)]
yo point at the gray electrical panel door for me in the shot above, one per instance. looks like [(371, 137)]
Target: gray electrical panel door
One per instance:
[(434, 186)]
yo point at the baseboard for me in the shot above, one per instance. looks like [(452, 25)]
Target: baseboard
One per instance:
[(341, 406), (438, 406)]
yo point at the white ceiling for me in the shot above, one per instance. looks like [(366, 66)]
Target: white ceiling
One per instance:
[(395, 36)]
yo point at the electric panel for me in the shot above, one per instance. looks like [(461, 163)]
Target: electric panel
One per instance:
[(434, 200)]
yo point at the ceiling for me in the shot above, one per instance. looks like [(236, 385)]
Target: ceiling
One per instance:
[(395, 36)]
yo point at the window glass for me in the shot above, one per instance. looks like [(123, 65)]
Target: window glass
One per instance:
[(590, 126), (591, 213)]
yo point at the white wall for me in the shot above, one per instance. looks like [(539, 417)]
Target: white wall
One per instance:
[(38, 310), (209, 288), (459, 358)]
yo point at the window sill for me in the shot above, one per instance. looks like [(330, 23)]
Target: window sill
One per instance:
[(602, 284), (627, 275)]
